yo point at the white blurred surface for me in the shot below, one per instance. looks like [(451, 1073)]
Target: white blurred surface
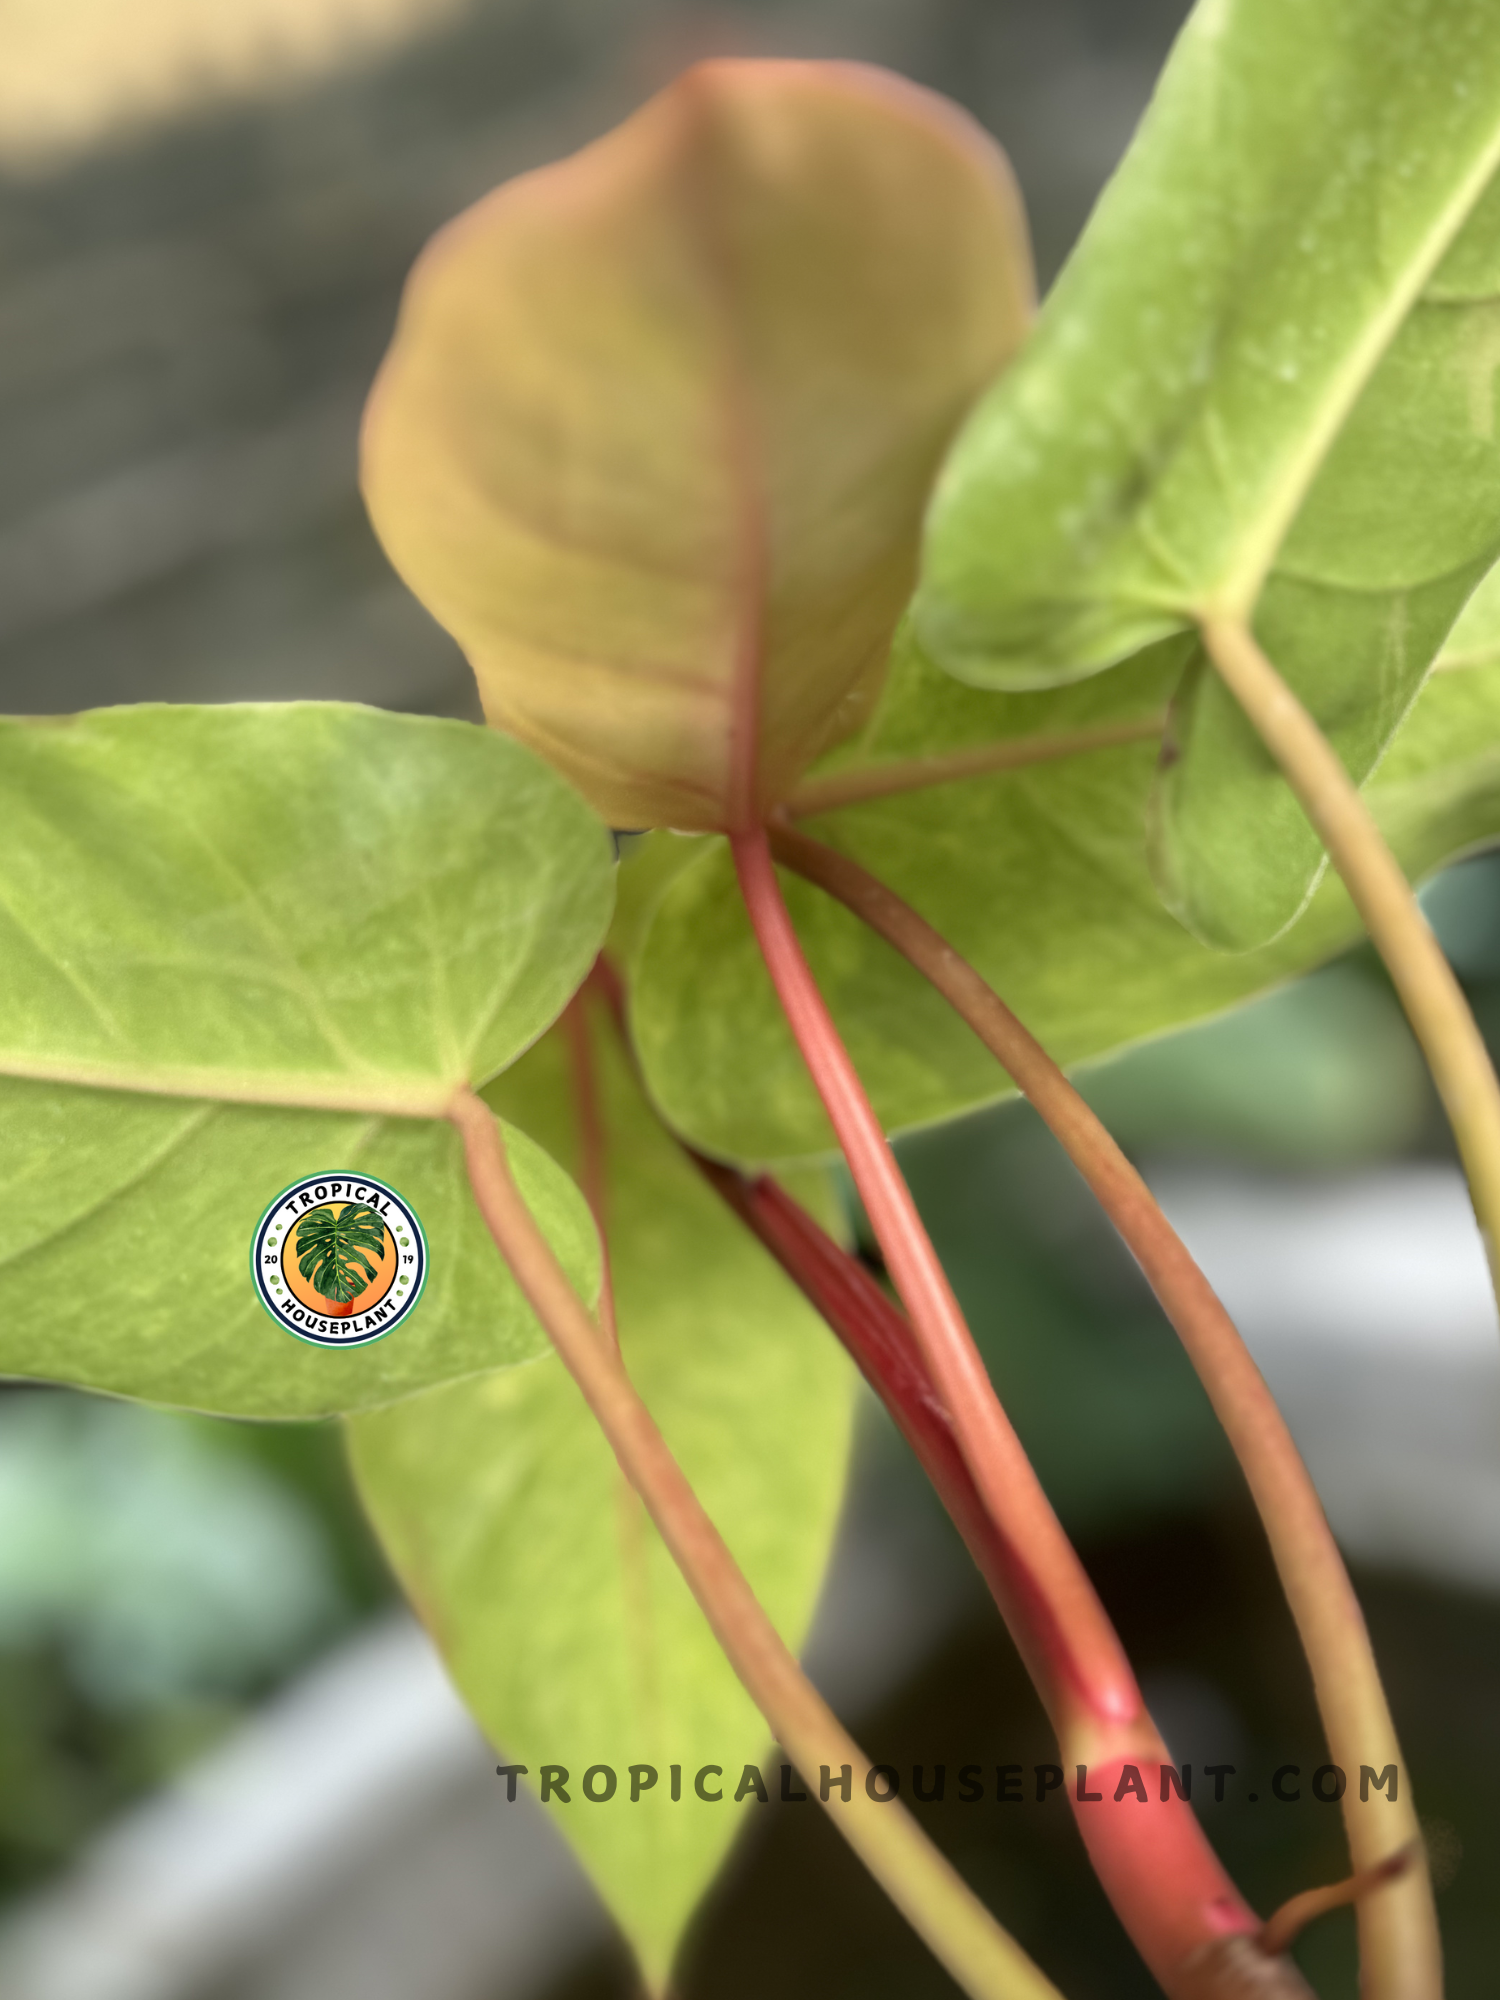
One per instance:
[(1367, 1305), (316, 1854), (353, 1840)]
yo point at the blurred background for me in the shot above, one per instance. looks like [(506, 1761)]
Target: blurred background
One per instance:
[(229, 1767)]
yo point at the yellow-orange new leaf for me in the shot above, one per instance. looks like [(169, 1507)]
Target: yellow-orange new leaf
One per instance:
[(655, 433)]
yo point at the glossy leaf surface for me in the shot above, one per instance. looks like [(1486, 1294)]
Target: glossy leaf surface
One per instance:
[(184, 1030), (1265, 381), (659, 422), (562, 1617), (1402, 521), (1038, 875)]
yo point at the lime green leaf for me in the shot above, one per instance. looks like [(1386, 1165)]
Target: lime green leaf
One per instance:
[(1437, 794), (659, 422), (184, 1030), (1475, 639), (654, 861), (1275, 345), (1294, 186), (1038, 875), (563, 1620), (1401, 522)]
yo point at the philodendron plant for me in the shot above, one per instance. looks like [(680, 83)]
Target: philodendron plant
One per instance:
[(1014, 685)]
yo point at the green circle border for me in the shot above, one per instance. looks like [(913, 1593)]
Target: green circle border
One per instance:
[(373, 1180)]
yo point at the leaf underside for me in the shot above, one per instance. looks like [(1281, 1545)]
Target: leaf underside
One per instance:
[(1266, 380), (680, 398), (562, 1618), (183, 1032), (1039, 876)]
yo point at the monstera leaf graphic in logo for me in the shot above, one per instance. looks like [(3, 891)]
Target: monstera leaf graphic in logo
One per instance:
[(330, 1251)]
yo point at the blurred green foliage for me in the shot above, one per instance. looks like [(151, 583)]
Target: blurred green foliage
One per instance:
[(1323, 1073), (158, 1573)]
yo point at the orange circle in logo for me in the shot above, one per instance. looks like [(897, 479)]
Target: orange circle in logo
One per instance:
[(374, 1291)]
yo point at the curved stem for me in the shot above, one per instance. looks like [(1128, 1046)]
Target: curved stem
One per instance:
[(1157, 1868), (986, 1962), (593, 1180), (874, 1331), (1070, 1647), (1299, 1911), (1401, 1945), (982, 760), (1433, 999), (879, 1339)]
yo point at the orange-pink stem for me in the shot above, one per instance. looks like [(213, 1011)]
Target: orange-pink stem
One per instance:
[(1398, 1930), (985, 1961), (1147, 1848)]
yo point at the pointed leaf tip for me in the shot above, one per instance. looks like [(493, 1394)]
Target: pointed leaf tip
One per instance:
[(657, 428), (563, 1619)]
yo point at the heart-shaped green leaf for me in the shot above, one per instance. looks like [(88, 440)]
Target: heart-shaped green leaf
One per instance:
[(1037, 874), (1401, 522), (563, 1620), (659, 422), (1264, 382), (243, 945)]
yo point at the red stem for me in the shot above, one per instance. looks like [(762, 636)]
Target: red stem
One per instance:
[(879, 1339), (1071, 1649), (875, 1332), (1164, 1880), (1400, 1951)]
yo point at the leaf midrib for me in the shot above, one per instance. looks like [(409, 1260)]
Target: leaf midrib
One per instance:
[(394, 1097), (1234, 596), (750, 581)]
